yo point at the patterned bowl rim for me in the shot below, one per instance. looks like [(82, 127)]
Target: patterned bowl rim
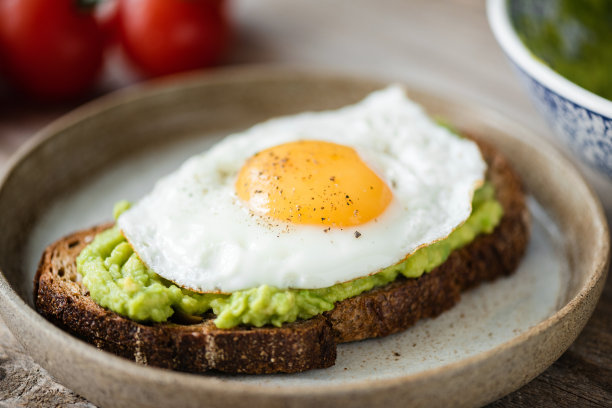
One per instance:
[(513, 47)]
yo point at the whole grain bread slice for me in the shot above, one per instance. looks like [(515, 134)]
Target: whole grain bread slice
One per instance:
[(303, 345)]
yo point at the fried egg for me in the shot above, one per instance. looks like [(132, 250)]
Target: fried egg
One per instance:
[(308, 201)]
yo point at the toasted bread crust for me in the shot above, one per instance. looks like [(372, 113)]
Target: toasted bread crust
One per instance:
[(62, 299), (294, 347)]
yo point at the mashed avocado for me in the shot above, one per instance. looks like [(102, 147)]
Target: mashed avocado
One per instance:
[(573, 37), (119, 281)]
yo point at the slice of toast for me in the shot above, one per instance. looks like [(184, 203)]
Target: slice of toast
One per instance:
[(303, 345)]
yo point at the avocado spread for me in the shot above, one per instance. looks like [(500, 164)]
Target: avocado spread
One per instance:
[(573, 37), (118, 280)]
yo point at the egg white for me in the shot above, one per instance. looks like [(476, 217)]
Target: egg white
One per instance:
[(192, 228)]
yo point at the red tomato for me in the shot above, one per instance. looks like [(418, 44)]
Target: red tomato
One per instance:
[(166, 36), (107, 15), (52, 49)]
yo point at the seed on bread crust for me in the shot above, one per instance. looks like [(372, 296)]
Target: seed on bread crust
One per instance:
[(294, 347)]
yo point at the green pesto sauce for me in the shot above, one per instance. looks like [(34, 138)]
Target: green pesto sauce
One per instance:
[(119, 281), (573, 37)]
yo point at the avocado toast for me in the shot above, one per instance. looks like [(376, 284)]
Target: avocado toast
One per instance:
[(198, 346)]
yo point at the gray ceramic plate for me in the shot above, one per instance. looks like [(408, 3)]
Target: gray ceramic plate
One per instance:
[(499, 337)]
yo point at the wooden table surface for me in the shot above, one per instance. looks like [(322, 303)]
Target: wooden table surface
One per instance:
[(442, 45)]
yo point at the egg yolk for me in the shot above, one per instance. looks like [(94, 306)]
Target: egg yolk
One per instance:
[(312, 182)]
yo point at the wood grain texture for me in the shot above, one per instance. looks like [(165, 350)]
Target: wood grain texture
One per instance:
[(23, 383), (443, 44)]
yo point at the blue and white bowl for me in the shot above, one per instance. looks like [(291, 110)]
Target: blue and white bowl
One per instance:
[(580, 118)]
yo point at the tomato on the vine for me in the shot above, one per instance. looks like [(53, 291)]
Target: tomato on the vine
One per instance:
[(51, 49), (167, 36)]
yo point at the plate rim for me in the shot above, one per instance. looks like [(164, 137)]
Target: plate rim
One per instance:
[(12, 303)]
